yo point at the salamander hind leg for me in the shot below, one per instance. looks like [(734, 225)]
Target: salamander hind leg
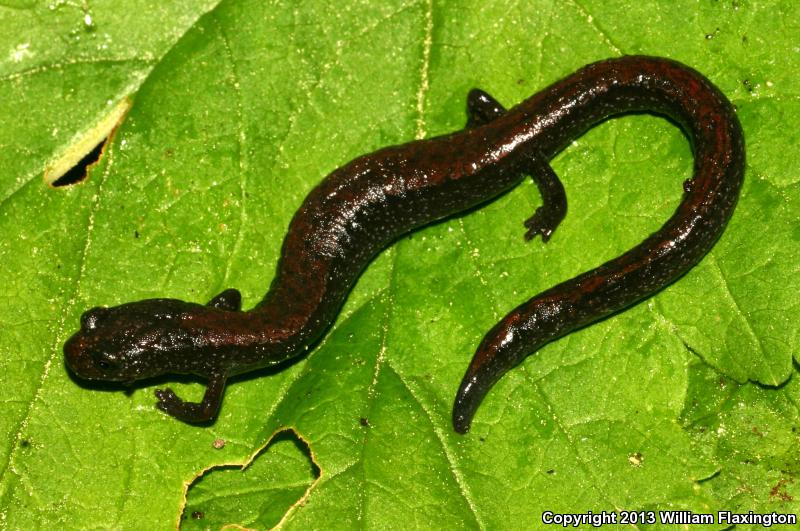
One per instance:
[(482, 108), (194, 412), (548, 216), (230, 300)]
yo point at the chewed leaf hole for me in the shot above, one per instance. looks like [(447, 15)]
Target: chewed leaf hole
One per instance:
[(74, 163), (79, 172), (257, 494)]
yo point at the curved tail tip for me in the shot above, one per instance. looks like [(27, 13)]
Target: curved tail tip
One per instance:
[(468, 398), (461, 423)]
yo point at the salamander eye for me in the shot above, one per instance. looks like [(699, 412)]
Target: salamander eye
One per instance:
[(105, 361), (90, 318)]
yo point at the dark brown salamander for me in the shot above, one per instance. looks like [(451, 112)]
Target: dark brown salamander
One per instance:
[(363, 206)]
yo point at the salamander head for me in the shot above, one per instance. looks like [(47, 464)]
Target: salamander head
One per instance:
[(131, 341)]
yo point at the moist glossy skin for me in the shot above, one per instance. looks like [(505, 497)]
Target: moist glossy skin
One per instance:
[(363, 206)]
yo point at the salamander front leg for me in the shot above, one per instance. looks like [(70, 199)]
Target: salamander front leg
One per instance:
[(194, 412), (548, 216), (482, 108)]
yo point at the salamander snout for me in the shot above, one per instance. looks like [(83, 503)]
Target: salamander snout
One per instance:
[(131, 341), (90, 318), (86, 354)]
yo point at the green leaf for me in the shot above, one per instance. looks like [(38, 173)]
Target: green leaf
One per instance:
[(754, 431), (237, 109), (259, 494)]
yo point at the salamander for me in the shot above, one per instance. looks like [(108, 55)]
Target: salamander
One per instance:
[(363, 206)]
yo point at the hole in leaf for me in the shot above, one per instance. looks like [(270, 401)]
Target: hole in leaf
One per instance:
[(257, 494), (79, 172), (75, 161)]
